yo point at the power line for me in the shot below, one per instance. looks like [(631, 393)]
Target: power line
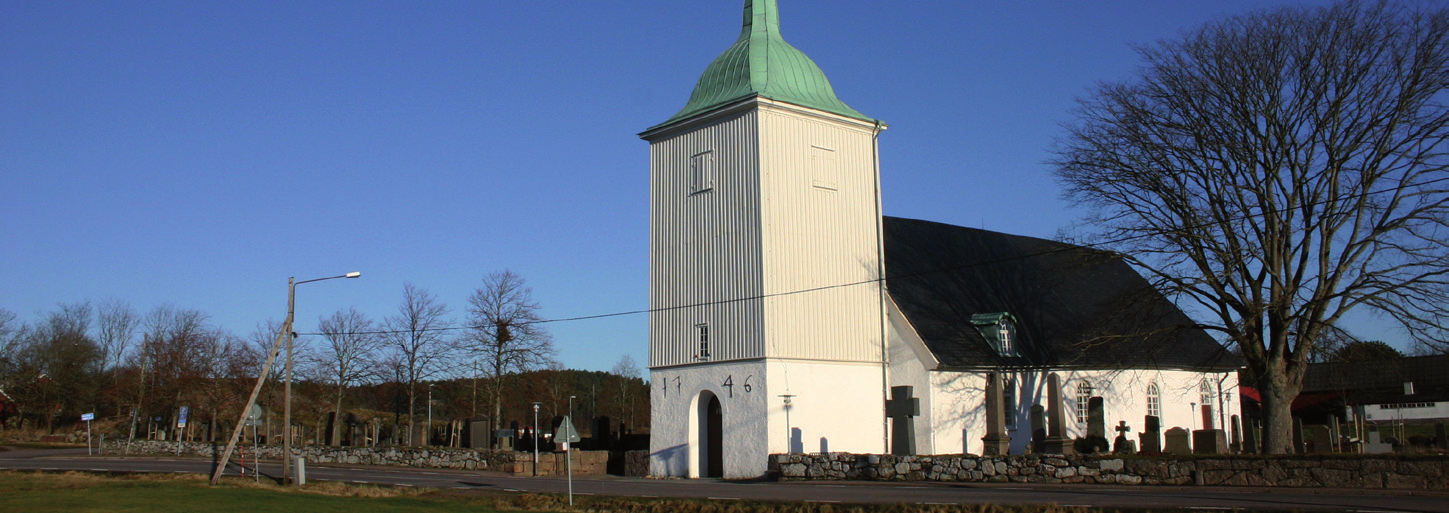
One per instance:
[(1066, 248)]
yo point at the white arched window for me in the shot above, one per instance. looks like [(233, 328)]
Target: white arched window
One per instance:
[(1084, 396), (1154, 400), (1206, 391)]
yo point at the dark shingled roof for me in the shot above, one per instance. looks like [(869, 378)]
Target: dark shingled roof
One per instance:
[(1075, 306)]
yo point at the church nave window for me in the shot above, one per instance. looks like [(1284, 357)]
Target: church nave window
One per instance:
[(1154, 400), (701, 172), (1084, 396), (1205, 390)]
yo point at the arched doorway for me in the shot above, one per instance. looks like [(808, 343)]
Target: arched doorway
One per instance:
[(710, 448)]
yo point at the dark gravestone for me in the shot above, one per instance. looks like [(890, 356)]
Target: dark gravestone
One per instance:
[(996, 440), (505, 439), (1122, 445), (478, 431), (1177, 442), (1096, 418), (1440, 440), (1250, 437), (1038, 429), (902, 409), (1299, 446), (331, 425), (1056, 440), (1236, 444), (1209, 441), (1151, 436), (1322, 442), (603, 434)]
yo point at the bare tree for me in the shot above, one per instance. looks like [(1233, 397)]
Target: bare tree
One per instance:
[(415, 337), (346, 357), (505, 333), (116, 324), (627, 373), (1278, 170)]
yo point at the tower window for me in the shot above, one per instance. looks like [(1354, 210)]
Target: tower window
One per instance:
[(702, 331), (701, 172)]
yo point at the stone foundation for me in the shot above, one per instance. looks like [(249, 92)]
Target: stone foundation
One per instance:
[(1347, 472), (516, 463)]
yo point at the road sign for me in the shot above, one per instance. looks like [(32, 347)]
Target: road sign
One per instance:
[(88, 416), (181, 421), (566, 432), (255, 413)]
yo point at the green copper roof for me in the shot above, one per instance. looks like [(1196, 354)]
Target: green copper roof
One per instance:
[(762, 63)]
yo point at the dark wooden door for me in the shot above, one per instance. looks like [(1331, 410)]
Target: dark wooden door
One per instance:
[(714, 443)]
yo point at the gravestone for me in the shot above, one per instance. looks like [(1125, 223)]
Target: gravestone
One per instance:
[(1236, 445), (996, 440), (478, 434), (1038, 429), (1250, 437), (903, 409), (420, 434), (1177, 442), (1440, 440), (1374, 446), (1209, 441), (1096, 418), (1322, 443), (1299, 447), (1151, 436), (1122, 445), (505, 439), (1056, 440), (602, 436)]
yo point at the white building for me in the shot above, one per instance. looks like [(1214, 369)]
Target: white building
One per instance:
[(770, 332)]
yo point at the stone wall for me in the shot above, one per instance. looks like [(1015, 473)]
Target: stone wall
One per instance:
[(1343, 472), (517, 463)]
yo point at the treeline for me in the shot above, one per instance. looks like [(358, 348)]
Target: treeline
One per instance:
[(136, 371)]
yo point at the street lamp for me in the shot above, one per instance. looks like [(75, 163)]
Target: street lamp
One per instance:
[(287, 404), (535, 438), (569, 451)]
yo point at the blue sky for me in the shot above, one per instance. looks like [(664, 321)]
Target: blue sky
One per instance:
[(199, 153)]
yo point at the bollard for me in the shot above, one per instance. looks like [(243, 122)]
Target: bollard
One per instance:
[(301, 471)]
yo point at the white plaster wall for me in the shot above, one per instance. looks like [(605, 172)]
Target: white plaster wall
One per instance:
[(909, 361), (1439, 410), (838, 407), (958, 420), (674, 428)]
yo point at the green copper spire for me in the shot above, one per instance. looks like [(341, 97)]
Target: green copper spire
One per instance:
[(762, 63)]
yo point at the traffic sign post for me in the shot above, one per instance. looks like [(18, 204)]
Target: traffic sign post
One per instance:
[(567, 434), (88, 417)]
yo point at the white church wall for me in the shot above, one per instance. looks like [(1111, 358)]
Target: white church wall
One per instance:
[(958, 420), (820, 235), (705, 246), (909, 361), (837, 407), (675, 435)]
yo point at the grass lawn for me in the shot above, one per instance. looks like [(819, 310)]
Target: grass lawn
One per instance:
[(80, 492)]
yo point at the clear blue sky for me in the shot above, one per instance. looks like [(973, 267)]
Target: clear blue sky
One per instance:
[(199, 153)]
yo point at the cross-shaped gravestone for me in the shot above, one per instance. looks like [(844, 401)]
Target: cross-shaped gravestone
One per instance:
[(902, 409), (1122, 445)]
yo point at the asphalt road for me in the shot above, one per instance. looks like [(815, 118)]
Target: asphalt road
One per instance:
[(1187, 497)]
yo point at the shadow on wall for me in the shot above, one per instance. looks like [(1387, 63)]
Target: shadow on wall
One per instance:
[(797, 441), (673, 460)]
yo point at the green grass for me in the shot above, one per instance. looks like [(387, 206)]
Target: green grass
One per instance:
[(78, 492)]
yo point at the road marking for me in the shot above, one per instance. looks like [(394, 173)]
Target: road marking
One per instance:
[(407, 485), (511, 490)]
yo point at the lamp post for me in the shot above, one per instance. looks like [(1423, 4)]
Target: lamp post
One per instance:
[(535, 439), (287, 403), (428, 431), (569, 451)]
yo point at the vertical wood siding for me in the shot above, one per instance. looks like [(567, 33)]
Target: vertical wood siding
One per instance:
[(705, 247)]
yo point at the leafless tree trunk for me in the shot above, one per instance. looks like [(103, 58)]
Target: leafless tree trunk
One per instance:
[(1278, 170), (505, 333), (346, 357), (415, 337), (627, 371)]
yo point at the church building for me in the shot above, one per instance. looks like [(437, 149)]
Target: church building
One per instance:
[(772, 330)]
